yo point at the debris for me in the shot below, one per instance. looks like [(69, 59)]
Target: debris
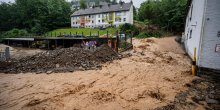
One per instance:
[(61, 60)]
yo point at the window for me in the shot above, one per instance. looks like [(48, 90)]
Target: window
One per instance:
[(76, 22), (118, 14), (124, 19), (92, 21), (99, 21), (191, 13), (119, 19), (190, 34), (103, 20)]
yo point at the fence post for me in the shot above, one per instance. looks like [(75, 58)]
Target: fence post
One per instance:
[(7, 53), (125, 40), (107, 34), (63, 43), (131, 37), (48, 44), (117, 41), (120, 40), (55, 43), (98, 34)]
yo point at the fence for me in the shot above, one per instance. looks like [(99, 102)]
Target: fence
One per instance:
[(97, 34), (120, 41), (124, 41)]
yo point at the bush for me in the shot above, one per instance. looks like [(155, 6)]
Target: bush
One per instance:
[(15, 33), (148, 34), (129, 28)]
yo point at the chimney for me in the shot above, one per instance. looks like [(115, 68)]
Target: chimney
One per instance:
[(131, 2), (120, 2)]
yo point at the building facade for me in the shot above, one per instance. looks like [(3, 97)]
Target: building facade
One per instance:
[(202, 31), (103, 16)]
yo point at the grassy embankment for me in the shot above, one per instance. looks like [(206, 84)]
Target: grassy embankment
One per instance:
[(85, 31)]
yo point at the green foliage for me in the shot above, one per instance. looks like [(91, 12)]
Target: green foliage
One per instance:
[(15, 33), (83, 4), (129, 28), (148, 34), (114, 1), (85, 31), (135, 13), (169, 14), (36, 16)]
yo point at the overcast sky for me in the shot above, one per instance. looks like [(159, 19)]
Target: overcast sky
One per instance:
[(136, 2)]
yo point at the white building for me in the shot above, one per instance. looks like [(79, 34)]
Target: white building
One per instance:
[(103, 16), (202, 31)]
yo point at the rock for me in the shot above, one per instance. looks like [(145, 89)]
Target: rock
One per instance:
[(49, 72), (142, 53), (211, 101), (57, 65)]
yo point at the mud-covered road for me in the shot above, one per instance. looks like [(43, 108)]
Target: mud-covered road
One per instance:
[(155, 73)]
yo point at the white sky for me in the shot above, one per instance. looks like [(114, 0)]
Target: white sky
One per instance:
[(136, 2)]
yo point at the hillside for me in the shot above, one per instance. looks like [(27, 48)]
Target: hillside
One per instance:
[(84, 31)]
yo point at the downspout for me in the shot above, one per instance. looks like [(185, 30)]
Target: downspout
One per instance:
[(202, 34)]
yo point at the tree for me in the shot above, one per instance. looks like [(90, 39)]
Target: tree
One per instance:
[(35, 16), (135, 13), (169, 14), (83, 4), (114, 1)]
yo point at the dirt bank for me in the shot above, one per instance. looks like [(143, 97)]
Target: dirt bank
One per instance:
[(149, 79)]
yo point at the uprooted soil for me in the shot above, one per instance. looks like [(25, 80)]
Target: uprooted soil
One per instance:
[(61, 60), (155, 75)]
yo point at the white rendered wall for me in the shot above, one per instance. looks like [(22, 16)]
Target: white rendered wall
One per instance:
[(128, 15), (195, 24), (209, 58)]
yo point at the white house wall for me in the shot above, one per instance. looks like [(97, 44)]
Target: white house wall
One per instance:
[(209, 57), (194, 25), (131, 15), (127, 15)]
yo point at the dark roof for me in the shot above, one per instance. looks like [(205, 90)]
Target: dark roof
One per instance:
[(103, 9)]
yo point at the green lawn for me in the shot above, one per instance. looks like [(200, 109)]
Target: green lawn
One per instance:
[(84, 31)]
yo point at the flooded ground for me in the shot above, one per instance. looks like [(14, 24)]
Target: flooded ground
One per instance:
[(157, 71)]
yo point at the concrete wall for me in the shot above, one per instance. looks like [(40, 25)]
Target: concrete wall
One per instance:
[(209, 57)]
